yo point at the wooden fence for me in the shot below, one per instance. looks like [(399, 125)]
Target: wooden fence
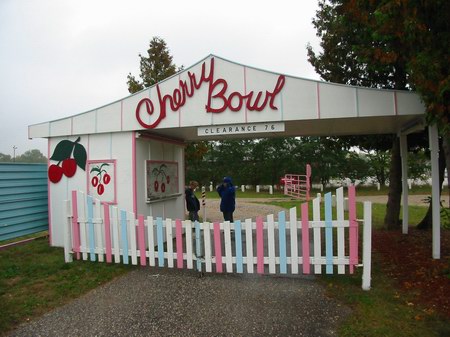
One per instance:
[(98, 231)]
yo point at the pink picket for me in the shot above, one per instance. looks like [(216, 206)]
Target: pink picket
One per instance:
[(218, 247), (179, 242), (141, 239), (305, 239), (260, 245)]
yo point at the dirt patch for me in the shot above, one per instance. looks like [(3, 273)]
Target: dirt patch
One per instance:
[(407, 259), (244, 210)]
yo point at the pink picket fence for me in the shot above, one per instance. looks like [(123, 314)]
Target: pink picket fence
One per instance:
[(298, 186), (305, 243)]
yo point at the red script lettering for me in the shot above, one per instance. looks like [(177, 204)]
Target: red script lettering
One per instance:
[(217, 90)]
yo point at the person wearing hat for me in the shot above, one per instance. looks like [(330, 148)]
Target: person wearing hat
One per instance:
[(227, 194), (192, 203)]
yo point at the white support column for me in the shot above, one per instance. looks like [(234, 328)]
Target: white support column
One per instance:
[(404, 156), (434, 148), (367, 246)]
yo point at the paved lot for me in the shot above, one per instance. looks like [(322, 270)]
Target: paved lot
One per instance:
[(163, 302)]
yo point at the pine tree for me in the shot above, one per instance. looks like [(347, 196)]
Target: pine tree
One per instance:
[(155, 67)]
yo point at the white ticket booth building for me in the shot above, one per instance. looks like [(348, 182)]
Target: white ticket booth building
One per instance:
[(130, 153)]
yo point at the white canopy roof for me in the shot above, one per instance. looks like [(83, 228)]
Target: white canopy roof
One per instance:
[(217, 92)]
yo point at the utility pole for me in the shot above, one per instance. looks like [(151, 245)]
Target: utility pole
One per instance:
[(14, 151)]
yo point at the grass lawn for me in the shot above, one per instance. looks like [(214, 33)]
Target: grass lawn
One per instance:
[(35, 279), (385, 310), (360, 191), (416, 213)]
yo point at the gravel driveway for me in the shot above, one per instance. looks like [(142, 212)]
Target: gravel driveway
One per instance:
[(245, 209), (152, 301), (170, 302)]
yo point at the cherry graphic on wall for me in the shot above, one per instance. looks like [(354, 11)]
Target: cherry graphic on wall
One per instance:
[(67, 165), (161, 178), (101, 179)]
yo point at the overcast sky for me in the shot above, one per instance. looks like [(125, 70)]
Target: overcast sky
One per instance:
[(59, 57)]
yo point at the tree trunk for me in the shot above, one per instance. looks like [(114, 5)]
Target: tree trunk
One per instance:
[(446, 147), (427, 221), (391, 220)]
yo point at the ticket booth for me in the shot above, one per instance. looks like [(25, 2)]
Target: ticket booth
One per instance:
[(130, 153)]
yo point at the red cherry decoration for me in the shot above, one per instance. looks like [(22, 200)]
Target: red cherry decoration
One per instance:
[(55, 173), (168, 179), (163, 187), (94, 181), (156, 185), (106, 179), (100, 189), (69, 167)]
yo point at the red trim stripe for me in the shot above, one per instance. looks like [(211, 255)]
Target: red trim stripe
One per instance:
[(121, 115), (318, 100), (133, 163), (245, 92)]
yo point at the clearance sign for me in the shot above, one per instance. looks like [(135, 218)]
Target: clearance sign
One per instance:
[(237, 129)]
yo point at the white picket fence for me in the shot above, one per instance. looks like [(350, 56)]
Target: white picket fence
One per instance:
[(101, 232)]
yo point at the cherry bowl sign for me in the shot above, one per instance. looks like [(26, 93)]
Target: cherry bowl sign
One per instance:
[(217, 91)]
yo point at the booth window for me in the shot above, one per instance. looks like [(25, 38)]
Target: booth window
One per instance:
[(161, 180)]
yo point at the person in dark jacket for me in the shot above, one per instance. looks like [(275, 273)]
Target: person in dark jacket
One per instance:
[(192, 203), (227, 194)]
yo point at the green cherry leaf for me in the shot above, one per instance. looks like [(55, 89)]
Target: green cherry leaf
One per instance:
[(94, 169), (62, 151), (80, 156)]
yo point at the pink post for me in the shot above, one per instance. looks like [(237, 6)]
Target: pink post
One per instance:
[(141, 239), (218, 247), (353, 235), (305, 239), (260, 245), (75, 225), (107, 233), (179, 239)]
